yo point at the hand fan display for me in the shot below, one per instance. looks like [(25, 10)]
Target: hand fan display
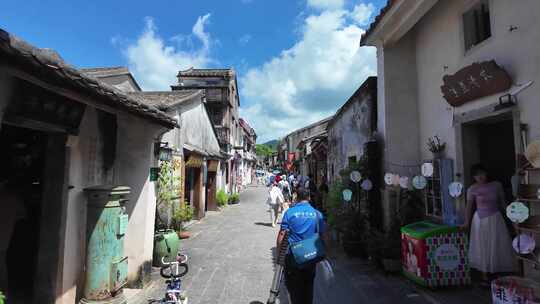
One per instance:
[(419, 182), (388, 178), (395, 180), (524, 244), (347, 195), (427, 169), (455, 189), (517, 212), (404, 182), (356, 176), (367, 185)]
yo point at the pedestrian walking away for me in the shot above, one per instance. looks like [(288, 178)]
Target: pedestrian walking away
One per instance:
[(275, 200), (300, 222)]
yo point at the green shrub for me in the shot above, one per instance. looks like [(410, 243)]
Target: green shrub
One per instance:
[(234, 198), (334, 201), (222, 198), (182, 214)]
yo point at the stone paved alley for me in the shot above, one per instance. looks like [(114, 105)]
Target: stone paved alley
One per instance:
[(231, 263)]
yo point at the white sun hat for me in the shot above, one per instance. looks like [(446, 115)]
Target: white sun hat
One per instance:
[(533, 153)]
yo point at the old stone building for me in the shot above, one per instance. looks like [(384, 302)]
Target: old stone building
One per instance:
[(63, 132), (351, 127), (296, 146), (194, 143), (223, 103)]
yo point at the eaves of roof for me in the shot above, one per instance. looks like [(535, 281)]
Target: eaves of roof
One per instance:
[(49, 68), (375, 22), (192, 72)]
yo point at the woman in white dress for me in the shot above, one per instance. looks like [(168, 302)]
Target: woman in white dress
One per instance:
[(490, 246)]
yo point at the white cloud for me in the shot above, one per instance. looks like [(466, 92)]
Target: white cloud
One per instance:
[(244, 39), (310, 80), (362, 12), (156, 64), (326, 4)]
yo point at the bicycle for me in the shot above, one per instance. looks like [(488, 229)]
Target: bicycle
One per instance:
[(171, 272)]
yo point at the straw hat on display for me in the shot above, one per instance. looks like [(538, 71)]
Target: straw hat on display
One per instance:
[(533, 153)]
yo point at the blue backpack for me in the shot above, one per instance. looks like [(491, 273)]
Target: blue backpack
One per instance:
[(308, 251)]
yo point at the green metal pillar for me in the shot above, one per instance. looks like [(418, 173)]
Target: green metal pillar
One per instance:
[(106, 265)]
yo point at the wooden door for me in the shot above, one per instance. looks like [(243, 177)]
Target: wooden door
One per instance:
[(211, 192)]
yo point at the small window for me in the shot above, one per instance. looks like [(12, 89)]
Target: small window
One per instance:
[(476, 24)]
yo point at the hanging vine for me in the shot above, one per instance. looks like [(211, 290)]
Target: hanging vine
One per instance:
[(165, 191)]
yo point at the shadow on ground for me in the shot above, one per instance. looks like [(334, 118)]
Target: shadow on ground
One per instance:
[(263, 224)]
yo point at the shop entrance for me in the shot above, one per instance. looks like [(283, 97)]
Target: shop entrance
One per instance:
[(21, 173), (193, 190), (33, 195), (211, 192), (491, 142)]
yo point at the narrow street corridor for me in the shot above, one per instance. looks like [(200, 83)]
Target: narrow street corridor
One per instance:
[(231, 263)]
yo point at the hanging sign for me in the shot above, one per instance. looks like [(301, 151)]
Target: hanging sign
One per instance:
[(213, 165), (154, 173), (194, 161), (475, 81), (517, 212), (356, 176)]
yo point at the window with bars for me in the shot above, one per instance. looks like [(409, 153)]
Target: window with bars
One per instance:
[(476, 24)]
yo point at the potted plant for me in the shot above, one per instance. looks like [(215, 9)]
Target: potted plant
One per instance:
[(222, 198), (234, 198), (182, 215), (436, 147)]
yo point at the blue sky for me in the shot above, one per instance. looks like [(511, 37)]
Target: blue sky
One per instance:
[(297, 60)]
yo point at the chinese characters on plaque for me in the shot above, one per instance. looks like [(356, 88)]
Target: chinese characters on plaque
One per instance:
[(475, 81)]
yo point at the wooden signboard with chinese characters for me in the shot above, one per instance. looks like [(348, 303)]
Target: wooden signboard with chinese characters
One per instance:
[(475, 81)]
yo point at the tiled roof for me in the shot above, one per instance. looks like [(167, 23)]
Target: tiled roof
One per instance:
[(369, 85), (378, 19), (320, 122), (105, 71), (165, 99), (50, 68), (191, 72)]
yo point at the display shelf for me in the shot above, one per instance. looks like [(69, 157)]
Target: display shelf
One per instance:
[(529, 200), (530, 169), (528, 258), (527, 229)]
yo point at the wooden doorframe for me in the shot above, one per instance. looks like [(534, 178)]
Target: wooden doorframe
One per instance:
[(49, 272), (478, 115)]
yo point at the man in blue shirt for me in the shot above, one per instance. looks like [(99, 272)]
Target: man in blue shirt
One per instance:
[(301, 221)]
